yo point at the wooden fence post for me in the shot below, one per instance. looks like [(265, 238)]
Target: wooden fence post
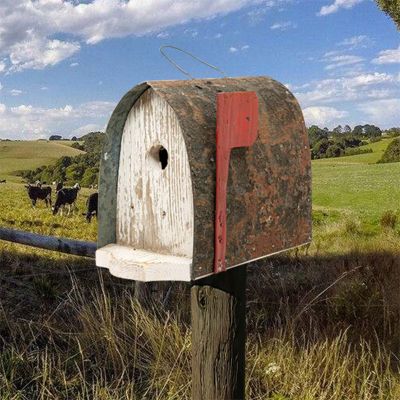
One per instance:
[(219, 336)]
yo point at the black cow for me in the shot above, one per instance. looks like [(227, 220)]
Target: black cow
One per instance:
[(36, 193), (3, 181), (91, 206), (66, 196), (59, 186)]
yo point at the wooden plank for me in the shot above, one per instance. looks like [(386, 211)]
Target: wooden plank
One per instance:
[(61, 245), (154, 204), (140, 265), (219, 336)]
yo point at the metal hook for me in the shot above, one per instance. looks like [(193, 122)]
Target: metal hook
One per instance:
[(171, 61)]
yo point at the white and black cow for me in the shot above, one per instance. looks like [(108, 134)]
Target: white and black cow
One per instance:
[(66, 196), (91, 207), (36, 193), (59, 186)]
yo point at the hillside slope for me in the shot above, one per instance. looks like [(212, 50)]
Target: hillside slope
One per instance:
[(357, 187), (22, 155)]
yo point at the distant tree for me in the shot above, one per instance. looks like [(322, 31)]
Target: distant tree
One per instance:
[(358, 130), (74, 173), (392, 8), (334, 150), (90, 177), (315, 134), (74, 139), (320, 148), (347, 129), (55, 137), (372, 131), (393, 132), (338, 129), (78, 146)]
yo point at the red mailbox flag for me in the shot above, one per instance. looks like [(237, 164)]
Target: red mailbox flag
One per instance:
[(237, 126)]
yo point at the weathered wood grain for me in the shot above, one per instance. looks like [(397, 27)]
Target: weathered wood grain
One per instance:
[(61, 245), (140, 265), (154, 205), (219, 336)]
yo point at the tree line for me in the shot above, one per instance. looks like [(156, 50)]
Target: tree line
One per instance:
[(344, 140), (82, 169)]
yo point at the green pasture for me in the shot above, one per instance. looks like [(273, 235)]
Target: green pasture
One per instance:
[(350, 189), (356, 187), (22, 155), (17, 213)]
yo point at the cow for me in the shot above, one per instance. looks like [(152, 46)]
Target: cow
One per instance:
[(66, 196), (36, 193), (91, 207), (59, 186), (3, 181)]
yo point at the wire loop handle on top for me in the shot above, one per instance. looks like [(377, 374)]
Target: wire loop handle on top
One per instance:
[(171, 61)]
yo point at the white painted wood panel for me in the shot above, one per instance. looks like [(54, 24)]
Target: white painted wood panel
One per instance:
[(154, 205), (140, 265)]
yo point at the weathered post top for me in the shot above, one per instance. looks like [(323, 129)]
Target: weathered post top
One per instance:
[(157, 193)]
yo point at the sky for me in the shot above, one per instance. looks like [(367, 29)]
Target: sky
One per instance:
[(64, 64)]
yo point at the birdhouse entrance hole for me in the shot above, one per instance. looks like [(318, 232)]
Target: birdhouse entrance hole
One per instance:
[(160, 154)]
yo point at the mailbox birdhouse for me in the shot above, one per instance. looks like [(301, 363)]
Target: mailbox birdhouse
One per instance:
[(200, 176)]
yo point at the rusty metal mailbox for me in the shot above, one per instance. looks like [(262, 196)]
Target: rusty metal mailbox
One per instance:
[(179, 202)]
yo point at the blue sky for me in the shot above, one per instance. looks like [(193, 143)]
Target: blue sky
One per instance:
[(65, 64)]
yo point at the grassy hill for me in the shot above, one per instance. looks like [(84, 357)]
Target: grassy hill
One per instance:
[(22, 155), (378, 148), (356, 187)]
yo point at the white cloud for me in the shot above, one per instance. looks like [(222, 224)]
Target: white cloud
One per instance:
[(322, 115), (15, 92), (257, 14), (337, 5), (74, 64), (355, 88), (191, 32), (356, 42), (391, 56), (31, 29), (283, 26), (2, 66), (238, 48), (38, 53), (163, 35), (29, 122), (382, 112), (342, 60)]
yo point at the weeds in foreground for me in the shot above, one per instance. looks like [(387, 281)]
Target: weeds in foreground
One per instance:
[(318, 328)]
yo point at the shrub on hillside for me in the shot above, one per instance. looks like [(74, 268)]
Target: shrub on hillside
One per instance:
[(392, 152), (355, 151)]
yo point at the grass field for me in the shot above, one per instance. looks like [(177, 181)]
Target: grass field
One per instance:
[(357, 188), (323, 322), (22, 155)]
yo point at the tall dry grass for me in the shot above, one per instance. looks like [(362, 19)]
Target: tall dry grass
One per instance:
[(319, 327)]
